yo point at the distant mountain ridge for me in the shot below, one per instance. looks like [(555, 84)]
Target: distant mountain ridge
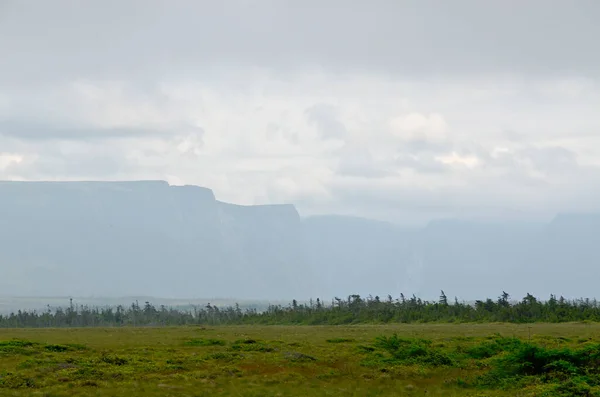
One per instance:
[(150, 238)]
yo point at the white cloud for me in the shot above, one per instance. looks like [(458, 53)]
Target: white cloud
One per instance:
[(455, 159), (417, 126), (9, 159), (256, 142)]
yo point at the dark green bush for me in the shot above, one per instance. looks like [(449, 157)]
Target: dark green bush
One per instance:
[(494, 347), (409, 351), (57, 348), (340, 340), (205, 342), (574, 372)]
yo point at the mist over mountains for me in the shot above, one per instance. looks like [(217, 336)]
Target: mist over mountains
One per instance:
[(149, 238)]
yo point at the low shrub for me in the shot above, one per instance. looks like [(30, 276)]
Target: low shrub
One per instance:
[(205, 342)]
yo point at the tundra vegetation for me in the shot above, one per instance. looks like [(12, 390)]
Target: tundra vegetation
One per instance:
[(352, 310), (354, 347)]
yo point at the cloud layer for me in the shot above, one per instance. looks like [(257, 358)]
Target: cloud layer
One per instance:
[(395, 110)]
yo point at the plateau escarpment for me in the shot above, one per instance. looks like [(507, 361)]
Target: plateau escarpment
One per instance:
[(150, 238)]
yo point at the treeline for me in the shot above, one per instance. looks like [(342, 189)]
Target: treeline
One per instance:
[(352, 310)]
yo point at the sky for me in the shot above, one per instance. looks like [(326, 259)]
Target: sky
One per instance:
[(389, 109)]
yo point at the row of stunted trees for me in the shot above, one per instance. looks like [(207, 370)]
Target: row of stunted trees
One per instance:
[(352, 310)]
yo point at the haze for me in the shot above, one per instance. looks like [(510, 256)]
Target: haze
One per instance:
[(328, 148)]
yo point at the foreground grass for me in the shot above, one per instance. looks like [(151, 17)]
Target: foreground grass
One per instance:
[(276, 360)]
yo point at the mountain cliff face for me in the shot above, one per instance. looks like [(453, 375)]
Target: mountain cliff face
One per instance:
[(106, 238), (265, 249), (130, 238), (149, 238), (569, 251), (355, 255)]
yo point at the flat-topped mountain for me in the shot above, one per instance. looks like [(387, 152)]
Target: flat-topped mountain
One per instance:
[(117, 238), (150, 238)]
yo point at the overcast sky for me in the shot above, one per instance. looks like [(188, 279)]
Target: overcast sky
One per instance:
[(379, 108)]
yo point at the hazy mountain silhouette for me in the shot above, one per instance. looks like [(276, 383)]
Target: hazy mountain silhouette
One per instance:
[(149, 238)]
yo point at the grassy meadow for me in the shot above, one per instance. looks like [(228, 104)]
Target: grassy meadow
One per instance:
[(361, 360)]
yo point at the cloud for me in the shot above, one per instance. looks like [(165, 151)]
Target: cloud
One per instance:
[(419, 127), (9, 159), (388, 109), (192, 143), (412, 37), (43, 131), (421, 162), (257, 146), (324, 117), (454, 159), (358, 161)]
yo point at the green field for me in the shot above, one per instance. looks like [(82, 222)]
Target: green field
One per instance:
[(285, 361)]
